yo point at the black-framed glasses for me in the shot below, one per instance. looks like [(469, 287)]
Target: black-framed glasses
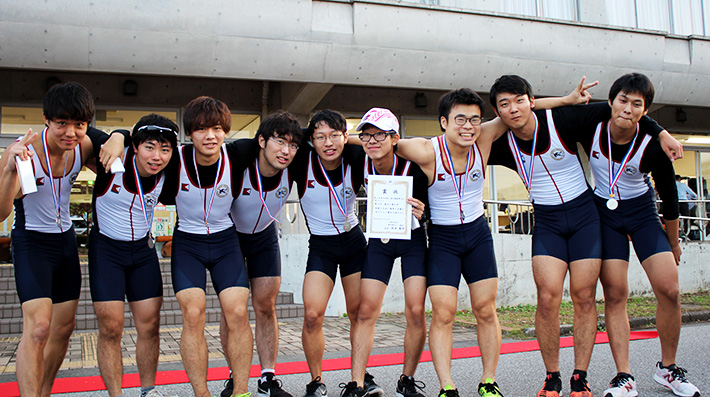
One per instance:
[(474, 120), (284, 143), (157, 128), (379, 136)]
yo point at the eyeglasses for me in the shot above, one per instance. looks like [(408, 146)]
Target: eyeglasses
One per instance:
[(156, 128), (283, 143), (474, 120), (322, 138), (379, 136)]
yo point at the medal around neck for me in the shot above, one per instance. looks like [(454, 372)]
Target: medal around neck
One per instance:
[(612, 204)]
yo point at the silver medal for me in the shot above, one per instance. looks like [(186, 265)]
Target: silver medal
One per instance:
[(385, 240), (347, 226), (612, 203), (151, 242), (59, 222)]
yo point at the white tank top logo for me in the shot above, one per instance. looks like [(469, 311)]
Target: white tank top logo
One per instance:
[(557, 154), (630, 170), (222, 190), (475, 175)]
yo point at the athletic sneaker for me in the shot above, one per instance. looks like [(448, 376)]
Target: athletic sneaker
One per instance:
[(271, 387), (673, 377), (489, 389), (228, 387), (551, 387), (623, 385), (156, 393), (448, 391), (316, 388), (371, 387), (407, 387), (579, 386), (352, 390)]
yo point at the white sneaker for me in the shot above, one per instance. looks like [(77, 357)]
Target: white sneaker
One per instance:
[(673, 377), (156, 393), (623, 385)]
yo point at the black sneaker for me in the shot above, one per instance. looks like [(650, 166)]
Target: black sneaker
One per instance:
[(228, 387), (271, 387), (371, 387), (407, 387), (316, 388), (352, 390), (551, 387), (448, 392), (579, 386)]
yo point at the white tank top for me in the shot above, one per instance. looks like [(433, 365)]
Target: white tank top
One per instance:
[(118, 210), (443, 200), (631, 183), (248, 212), (38, 209), (319, 206), (192, 203), (557, 174)]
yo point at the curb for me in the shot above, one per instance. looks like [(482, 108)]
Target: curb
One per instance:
[(635, 323)]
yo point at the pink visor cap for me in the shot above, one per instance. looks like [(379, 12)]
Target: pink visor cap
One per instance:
[(381, 118)]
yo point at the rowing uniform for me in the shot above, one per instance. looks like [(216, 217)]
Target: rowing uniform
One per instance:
[(460, 241), (636, 215)]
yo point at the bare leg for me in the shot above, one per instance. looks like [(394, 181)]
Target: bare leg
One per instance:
[(36, 324), (483, 302), (372, 292), (662, 272), (317, 287), (265, 290), (583, 276), (63, 320), (146, 314), (616, 291), (240, 344), (415, 334), (193, 346), (549, 274), (443, 303), (108, 350)]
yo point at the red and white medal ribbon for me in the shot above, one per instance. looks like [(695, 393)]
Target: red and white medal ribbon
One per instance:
[(612, 203), (205, 208), (56, 193), (261, 193), (141, 199), (341, 205), (460, 190), (527, 175)]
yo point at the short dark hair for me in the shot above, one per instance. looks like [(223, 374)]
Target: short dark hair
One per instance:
[(634, 83), (283, 124), (205, 111), (333, 119), (512, 84), (462, 96), (140, 135), (71, 101)]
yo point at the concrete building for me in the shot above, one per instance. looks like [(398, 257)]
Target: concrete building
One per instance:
[(258, 56)]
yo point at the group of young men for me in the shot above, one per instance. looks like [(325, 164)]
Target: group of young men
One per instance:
[(229, 197)]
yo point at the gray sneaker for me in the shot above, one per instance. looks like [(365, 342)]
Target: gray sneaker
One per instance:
[(373, 390)]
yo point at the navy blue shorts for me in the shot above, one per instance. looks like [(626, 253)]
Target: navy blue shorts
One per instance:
[(46, 265), (349, 250), (637, 218), (119, 269), (261, 252), (569, 232), (217, 252), (456, 250), (380, 257)]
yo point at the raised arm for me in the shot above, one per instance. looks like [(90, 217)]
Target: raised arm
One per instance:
[(9, 181), (580, 95), (420, 151)]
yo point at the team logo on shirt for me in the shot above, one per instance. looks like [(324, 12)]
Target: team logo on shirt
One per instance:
[(475, 175), (440, 177), (595, 154), (40, 181), (246, 191), (348, 192), (281, 193), (116, 188), (557, 154), (311, 184), (630, 170), (222, 190), (72, 177), (185, 187), (150, 200)]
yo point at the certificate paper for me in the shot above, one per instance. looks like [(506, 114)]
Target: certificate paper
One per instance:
[(388, 213)]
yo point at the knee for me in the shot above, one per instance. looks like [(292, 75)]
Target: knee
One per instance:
[(367, 313), (548, 302), (312, 321), (64, 329), (485, 313), (111, 330), (442, 317), (669, 293), (265, 307), (236, 314), (193, 315), (415, 316), (39, 332), (615, 297)]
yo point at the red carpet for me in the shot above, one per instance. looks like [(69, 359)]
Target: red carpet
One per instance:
[(91, 383)]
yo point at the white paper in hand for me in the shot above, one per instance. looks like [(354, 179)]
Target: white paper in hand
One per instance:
[(117, 166), (26, 174)]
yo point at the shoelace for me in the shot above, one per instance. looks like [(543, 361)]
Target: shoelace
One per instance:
[(311, 387), (679, 373), (620, 380), (345, 388), (490, 388), (451, 393), (274, 383), (412, 385)]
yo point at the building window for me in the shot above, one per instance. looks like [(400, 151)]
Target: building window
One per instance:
[(16, 120), (557, 9)]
